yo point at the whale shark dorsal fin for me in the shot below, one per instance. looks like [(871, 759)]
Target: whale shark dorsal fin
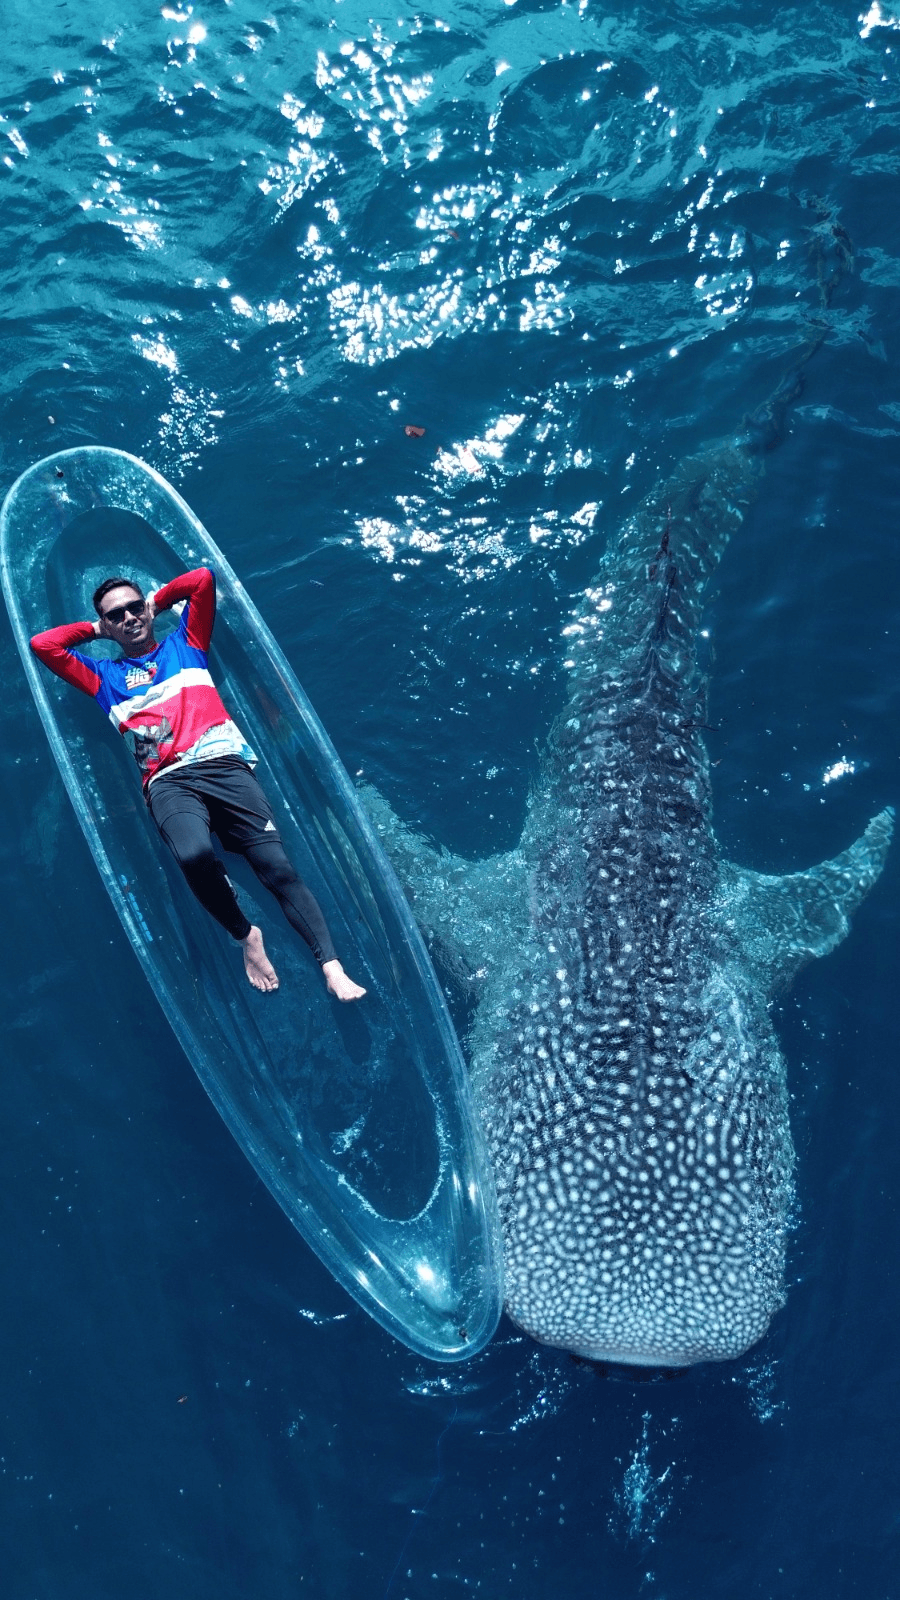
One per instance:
[(784, 922), (468, 908)]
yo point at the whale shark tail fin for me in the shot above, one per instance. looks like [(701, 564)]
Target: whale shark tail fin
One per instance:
[(831, 249), (644, 606), (765, 427), (785, 922)]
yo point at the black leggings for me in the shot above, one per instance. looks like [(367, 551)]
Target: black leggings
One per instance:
[(188, 838)]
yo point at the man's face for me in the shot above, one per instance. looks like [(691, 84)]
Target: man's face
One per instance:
[(126, 618)]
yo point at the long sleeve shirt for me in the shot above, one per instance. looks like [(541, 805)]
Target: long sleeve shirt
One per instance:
[(165, 703)]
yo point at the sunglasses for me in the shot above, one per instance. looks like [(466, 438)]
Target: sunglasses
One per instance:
[(119, 613)]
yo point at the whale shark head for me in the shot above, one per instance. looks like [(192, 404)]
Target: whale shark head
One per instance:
[(643, 1161)]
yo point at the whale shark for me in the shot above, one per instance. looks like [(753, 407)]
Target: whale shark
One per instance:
[(626, 1068)]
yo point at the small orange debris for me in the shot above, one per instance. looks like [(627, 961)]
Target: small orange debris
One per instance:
[(412, 432)]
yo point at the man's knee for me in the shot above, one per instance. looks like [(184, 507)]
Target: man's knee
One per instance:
[(272, 867), (200, 859), (194, 853)]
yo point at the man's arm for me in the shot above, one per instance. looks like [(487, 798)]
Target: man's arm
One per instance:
[(198, 588), (55, 649)]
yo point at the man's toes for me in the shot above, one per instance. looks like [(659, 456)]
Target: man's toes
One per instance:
[(264, 979)]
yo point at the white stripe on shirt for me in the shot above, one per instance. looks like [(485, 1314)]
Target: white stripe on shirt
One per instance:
[(158, 693)]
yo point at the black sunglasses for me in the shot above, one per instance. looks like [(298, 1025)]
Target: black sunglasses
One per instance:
[(119, 613)]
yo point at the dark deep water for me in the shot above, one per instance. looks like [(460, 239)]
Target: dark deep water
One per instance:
[(251, 246)]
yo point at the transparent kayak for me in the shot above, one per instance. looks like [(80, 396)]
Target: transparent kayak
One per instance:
[(358, 1118)]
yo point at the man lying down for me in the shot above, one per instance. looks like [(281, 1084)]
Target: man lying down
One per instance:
[(196, 765)]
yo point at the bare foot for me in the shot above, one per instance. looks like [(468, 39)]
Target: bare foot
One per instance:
[(257, 965), (342, 987)]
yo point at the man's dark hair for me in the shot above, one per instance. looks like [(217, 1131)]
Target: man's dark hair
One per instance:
[(114, 583)]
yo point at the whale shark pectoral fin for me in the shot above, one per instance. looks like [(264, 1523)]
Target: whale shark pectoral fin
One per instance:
[(419, 865), (785, 922), (458, 904)]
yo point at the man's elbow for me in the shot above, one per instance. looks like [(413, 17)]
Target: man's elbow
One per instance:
[(203, 583)]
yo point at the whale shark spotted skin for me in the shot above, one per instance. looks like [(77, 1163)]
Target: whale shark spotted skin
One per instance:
[(626, 1070)]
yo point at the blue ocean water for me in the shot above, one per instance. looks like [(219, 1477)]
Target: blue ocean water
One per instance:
[(572, 245)]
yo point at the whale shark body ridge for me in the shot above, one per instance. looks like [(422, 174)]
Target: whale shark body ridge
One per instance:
[(626, 1070)]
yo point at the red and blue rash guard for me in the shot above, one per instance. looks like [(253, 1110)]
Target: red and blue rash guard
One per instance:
[(165, 704)]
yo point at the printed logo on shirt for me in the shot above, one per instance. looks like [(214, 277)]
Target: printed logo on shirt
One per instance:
[(144, 742), (136, 677)]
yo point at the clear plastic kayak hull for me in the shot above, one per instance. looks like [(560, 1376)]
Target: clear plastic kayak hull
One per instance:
[(358, 1118)]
